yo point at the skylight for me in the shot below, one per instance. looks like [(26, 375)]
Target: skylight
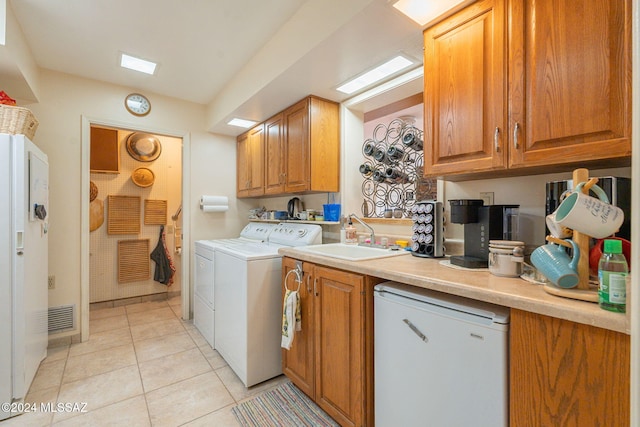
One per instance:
[(379, 73), (422, 11), (137, 64), (241, 123)]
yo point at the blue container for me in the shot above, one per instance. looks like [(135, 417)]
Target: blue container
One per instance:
[(332, 212)]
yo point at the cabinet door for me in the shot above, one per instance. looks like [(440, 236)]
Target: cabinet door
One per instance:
[(464, 91), (274, 155), (340, 346), (564, 373), (243, 178), (298, 362), (324, 143), (296, 119), (256, 161), (569, 81)]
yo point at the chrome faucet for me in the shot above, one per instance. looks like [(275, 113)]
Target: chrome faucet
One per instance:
[(373, 234)]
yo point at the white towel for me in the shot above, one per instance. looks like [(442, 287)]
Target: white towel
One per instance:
[(291, 318)]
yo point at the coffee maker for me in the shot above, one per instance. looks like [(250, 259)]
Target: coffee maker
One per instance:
[(481, 224), (617, 189)]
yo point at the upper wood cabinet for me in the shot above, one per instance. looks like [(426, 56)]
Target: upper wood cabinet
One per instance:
[(312, 146), (515, 86), (569, 81), (464, 91), (274, 175), (301, 151), (250, 162)]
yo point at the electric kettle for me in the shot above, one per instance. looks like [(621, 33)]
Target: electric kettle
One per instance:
[(294, 207)]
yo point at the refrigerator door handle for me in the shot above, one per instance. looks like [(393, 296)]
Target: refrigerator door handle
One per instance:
[(19, 242), (416, 331)]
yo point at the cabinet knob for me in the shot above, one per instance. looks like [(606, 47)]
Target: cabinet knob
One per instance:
[(496, 139), (516, 132)]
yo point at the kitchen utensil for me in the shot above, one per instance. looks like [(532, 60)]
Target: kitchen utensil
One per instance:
[(280, 215), (143, 177), (618, 190), (294, 206), (143, 147), (588, 215), (555, 229), (506, 258), (503, 262), (554, 263)]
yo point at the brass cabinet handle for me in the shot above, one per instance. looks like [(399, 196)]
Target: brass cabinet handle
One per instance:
[(308, 284), (516, 131), (496, 139), (315, 282)]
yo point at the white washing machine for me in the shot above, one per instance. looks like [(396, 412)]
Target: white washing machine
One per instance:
[(248, 295), (203, 296)]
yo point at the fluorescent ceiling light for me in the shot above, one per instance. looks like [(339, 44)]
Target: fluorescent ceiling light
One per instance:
[(241, 123), (379, 73), (424, 11), (137, 64)]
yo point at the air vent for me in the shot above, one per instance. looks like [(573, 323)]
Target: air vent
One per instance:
[(62, 318)]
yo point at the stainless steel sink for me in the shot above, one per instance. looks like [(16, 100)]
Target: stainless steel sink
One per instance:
[(351, 252)]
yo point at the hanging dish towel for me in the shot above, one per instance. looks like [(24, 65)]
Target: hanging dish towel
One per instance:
[(164, 264), (291, 318)]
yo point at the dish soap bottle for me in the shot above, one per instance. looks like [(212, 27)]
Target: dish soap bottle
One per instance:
[(612, 271), (351, 236)]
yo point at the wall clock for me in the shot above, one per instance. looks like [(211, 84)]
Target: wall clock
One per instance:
[(137, 104)]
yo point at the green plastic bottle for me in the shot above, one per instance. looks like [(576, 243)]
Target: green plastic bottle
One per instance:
[(612, 271)]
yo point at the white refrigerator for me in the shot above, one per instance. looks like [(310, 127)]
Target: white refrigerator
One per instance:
[(440, 360), (24, 206)]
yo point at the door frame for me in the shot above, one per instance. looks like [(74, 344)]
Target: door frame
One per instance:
[(85, 150)]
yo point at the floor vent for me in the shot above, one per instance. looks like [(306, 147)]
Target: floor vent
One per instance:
[(62, 318)]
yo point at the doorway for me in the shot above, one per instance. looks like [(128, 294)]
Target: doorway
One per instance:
[(156, 188)]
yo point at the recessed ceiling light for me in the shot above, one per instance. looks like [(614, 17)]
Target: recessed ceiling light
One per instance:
[(379, 73), (422, 11), (137, 64), (241, 123)]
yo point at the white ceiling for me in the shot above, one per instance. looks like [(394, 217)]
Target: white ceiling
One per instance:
[(249, 58)]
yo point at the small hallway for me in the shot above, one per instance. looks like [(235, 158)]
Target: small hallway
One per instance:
[(142, 365)]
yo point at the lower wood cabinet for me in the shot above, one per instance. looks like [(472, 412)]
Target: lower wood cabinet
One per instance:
[(567, 374), (331, 359)]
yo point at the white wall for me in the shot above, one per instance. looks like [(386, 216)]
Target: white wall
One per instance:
[(64, 100)]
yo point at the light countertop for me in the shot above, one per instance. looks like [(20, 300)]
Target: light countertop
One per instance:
[(479, 285)]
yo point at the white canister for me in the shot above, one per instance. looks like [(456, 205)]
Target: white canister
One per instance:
[(506, 258)]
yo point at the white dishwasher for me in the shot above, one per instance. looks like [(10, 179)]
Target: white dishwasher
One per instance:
[(440, 360)]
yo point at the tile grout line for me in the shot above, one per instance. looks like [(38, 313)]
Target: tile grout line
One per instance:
[(135, 353)]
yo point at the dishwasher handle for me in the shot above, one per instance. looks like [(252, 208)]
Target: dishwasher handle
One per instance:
[(416, 331)]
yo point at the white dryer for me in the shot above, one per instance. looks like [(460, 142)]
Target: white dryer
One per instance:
[(248, 295), (203, 295)]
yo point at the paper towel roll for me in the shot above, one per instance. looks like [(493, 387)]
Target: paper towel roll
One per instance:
[(214, 208), (214, 201)]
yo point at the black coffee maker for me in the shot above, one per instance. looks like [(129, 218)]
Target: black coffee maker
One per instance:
[(481, 224)]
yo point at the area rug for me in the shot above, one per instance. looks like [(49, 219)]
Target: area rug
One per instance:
[(284, 405)]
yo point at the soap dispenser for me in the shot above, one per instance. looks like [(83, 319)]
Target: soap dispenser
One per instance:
[(343, 231), (350, 233)]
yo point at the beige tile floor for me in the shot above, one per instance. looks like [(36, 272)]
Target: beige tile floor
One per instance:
[(142, 366)]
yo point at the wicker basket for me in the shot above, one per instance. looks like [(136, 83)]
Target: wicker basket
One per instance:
[(17, 120)]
